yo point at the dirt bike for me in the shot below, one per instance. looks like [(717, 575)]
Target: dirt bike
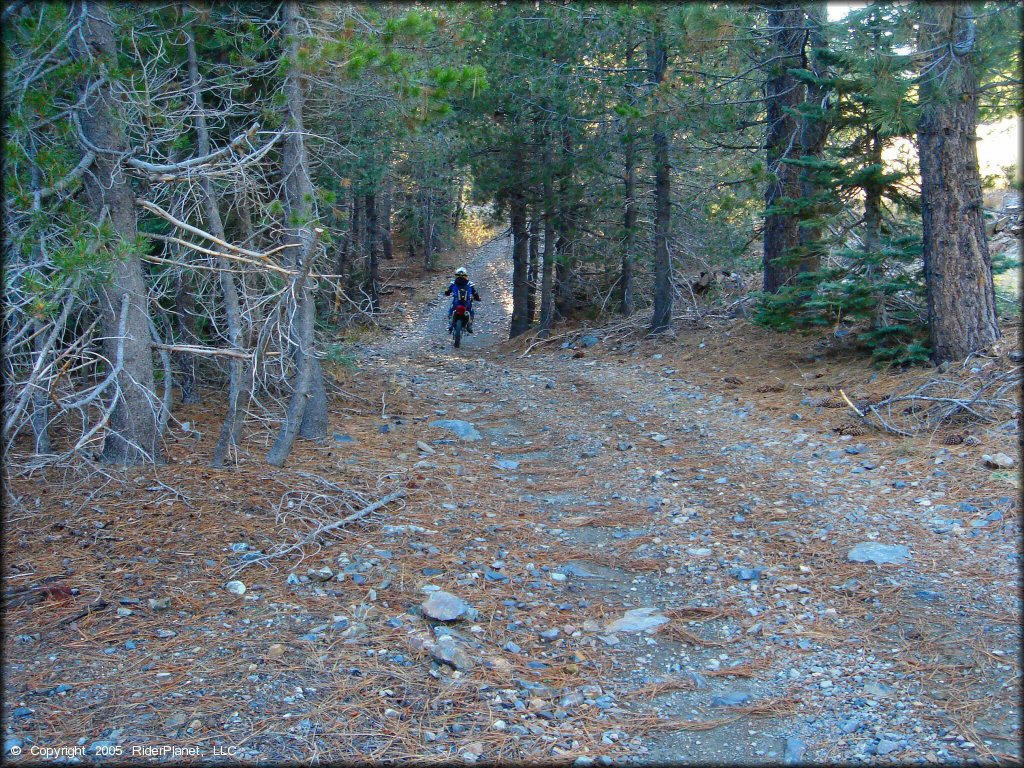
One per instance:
[(460, 319)]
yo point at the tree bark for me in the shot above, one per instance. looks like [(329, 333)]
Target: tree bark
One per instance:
[(309, 398), (873, 227), (185, 304), (372, 286), (565, 245), (957, 264), (134, 435), (520, 265), (814, 131), (626, 300), (428, 231), (548, 258), (239, 371), (387, 244), (662, 316), (783, 94), (532, 272)]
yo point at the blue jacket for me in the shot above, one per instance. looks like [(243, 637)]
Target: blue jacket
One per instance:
[(462, 290)]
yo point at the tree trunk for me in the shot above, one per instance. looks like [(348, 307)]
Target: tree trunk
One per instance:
[(662, 317), (783, 94), (428, 232), (355, 254), (134, 435), (873, 228), (387, 244), (239, 371), (548, 258), (532, 272), (309, 398), (40, 396), (957, 265), (372, 286), (565, 245), (814, 131), (520, 264), (341, 267), (185, 304), (626, 302)]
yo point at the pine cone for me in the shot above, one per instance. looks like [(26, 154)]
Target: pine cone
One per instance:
[(952, 439), (971, 440), (771, 388), (732, 380), (851, 428)]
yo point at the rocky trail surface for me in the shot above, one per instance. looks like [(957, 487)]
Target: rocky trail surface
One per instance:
[(605, 552)]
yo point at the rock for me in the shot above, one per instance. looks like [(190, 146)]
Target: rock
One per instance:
[(731, 699), (873, 552), (321, 574), (506, 464), (159, 603), (340, 438), (698, 679), (21, 712), (794, 751), (998, 461), (637, 620), (235, 587), (589, 340), (13, 745), (748, 574), (424, 447), (166, 634), (583, 761), (275, 651), (444, 606), (462, 429), (885, 747), (850, 725), (450, 651), (176, 720), (556, 576), (550, 634), (877, 690)]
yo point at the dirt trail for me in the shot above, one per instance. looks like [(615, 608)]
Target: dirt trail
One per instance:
[(657, 475), (490, 270), (675, 498)]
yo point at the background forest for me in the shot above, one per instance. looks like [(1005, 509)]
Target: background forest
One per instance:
[(209, 197)]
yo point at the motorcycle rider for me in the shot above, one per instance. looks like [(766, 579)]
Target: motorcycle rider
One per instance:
[(461, 290)]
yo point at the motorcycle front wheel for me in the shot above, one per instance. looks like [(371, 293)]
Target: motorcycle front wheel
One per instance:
[(457, 333)]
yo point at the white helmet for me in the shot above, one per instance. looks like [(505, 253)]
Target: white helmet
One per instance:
[(461, 272)]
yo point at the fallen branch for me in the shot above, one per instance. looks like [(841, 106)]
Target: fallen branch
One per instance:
[(99, 605), (190, 349), (325, 529)]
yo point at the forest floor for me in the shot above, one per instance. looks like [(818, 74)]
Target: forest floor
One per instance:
[(647, 542)]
